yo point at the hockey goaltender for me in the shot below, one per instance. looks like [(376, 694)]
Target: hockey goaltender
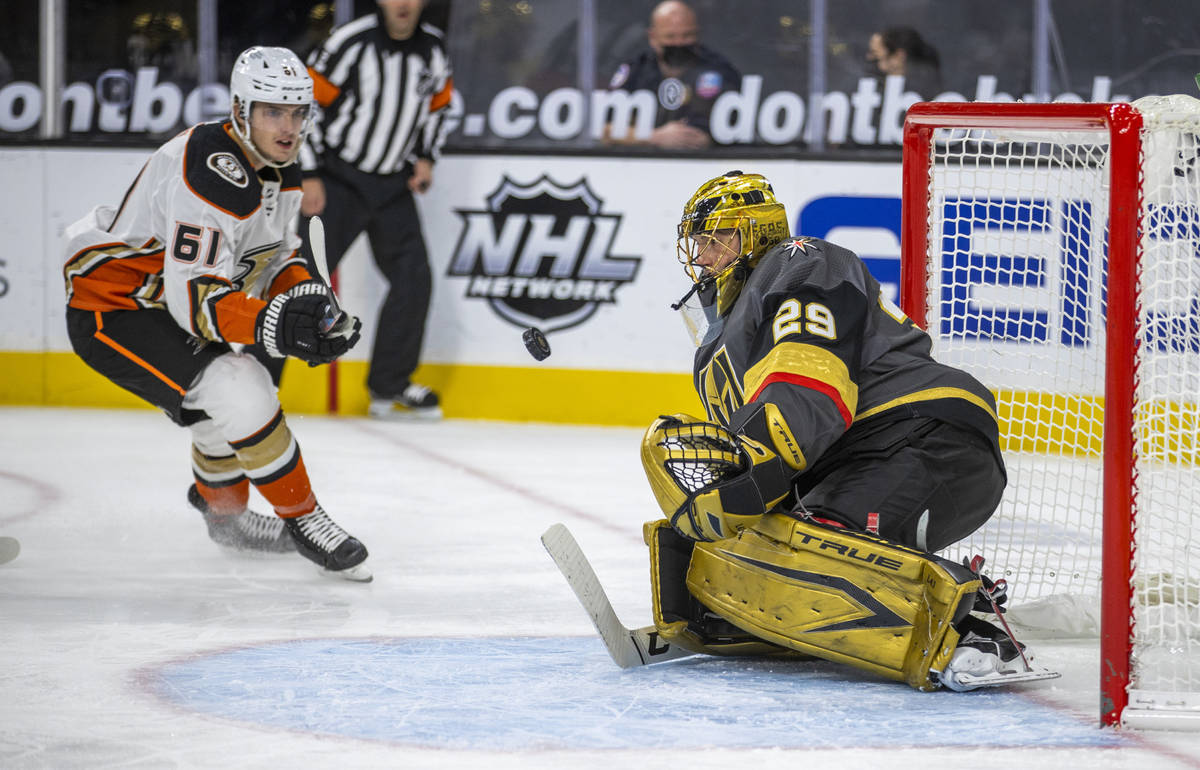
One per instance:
[(837, 457)]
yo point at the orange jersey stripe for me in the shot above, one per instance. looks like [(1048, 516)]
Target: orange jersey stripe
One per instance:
[(100, 335), (237, 316), (289, 277), (111, 285)]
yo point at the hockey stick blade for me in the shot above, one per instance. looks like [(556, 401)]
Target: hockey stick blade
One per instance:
[(316, 240), (629, 647)]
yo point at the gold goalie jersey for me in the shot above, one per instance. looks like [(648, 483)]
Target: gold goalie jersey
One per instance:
[(811, 334), (199, 234)]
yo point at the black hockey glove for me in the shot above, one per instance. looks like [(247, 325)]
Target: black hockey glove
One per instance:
[(291, 322)]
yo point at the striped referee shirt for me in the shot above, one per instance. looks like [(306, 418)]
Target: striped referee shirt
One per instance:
[(383, 101)]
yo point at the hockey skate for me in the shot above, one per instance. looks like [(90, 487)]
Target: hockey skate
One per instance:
[(245, 531), (987, 657), (414, 402), (319, 539)]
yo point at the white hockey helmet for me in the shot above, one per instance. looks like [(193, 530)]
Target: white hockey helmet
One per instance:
[(273, 75)]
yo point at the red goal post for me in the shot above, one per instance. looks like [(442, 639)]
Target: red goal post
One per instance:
[(1054, 251)]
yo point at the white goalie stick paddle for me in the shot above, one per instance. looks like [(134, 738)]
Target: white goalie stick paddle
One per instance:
[(629, 647), (10, 548), (316, 239)]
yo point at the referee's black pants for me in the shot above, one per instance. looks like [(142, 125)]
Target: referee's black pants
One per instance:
[(383, 206)]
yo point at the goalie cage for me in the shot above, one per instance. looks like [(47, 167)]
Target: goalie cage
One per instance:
[(1053, 250)]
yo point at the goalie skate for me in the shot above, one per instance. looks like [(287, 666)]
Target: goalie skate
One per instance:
[(319, 539), (245, 532), (986, 657)]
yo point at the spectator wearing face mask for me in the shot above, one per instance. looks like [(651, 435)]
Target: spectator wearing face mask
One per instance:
[(902, 51), (687, 78)]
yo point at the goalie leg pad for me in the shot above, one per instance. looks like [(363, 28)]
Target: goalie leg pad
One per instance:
[(843, 596), (679, 617)]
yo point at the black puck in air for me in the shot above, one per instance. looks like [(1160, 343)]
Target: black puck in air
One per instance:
[(536, 344)]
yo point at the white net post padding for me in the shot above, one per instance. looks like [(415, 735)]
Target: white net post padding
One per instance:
[(1016, 265)]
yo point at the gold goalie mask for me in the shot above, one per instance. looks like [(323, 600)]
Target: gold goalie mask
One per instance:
[(726, 227)]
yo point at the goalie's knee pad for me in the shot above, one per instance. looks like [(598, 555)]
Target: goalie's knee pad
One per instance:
[(835, 594)]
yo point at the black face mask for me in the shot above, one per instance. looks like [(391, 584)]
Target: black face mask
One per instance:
[(679, 55)]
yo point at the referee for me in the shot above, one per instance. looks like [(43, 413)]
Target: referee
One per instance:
[(384, 84)]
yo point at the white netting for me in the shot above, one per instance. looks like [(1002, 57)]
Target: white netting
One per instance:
[(1017, 270), (1166, 583), (1018, 229)]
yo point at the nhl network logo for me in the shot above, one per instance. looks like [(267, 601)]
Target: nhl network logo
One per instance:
[(541, 253)]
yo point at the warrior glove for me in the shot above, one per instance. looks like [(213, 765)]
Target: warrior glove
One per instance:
[(290, 325), (709, 482)]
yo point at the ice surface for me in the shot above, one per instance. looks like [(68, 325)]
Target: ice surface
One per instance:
[(130, 640)]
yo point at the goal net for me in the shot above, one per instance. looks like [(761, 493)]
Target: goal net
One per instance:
[(1053, 250)]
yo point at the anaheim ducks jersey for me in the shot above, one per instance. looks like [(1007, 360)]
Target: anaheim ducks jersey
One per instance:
[(199, 234), (811, 334)]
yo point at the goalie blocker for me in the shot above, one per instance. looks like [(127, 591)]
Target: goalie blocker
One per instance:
[(784, 585)]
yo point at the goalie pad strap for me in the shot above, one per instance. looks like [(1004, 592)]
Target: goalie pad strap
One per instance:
[(839, 595)]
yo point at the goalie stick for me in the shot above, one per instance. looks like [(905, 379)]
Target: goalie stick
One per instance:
[(629, 647)]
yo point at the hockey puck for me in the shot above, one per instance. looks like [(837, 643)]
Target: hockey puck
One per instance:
[(10, 548), (536, 344)]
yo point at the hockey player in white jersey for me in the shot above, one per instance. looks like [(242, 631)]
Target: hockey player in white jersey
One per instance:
[(176, 294)]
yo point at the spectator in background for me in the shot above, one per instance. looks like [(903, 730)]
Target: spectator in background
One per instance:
[(384, 83), (902, 51), (318, 23), (6, 71), (686, 76), (163, 40)]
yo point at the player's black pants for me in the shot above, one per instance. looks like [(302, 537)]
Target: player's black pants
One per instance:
[(920, 482), (148, 354), (383, 206)]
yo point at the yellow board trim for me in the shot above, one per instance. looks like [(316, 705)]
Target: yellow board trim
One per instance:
[(525, 394), (1030, 421)]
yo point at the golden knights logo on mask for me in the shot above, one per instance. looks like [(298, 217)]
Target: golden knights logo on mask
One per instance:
[(540, 254)]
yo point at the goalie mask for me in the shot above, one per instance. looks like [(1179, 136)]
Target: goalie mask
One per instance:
[(726, 227), (274, 76)]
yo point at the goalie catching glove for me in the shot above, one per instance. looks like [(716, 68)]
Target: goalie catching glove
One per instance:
[(290, 325), (710, 482)]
